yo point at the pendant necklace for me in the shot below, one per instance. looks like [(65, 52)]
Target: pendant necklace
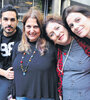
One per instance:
[(66, 58), (24, 69)]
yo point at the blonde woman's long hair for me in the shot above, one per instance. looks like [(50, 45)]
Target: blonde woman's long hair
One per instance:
[(41, 44)]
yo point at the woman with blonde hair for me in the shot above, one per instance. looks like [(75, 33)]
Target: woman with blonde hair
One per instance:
[(34, 62)]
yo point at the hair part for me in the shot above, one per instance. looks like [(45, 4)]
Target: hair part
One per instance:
[(53, 18), (75, 8)]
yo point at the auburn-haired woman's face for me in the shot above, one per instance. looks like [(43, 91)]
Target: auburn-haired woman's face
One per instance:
[(57, 33), (32, 29), (79, 24)]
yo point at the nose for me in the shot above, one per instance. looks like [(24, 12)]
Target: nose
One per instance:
[(57, 34), (9, 22), (76, 27), (32, 30)]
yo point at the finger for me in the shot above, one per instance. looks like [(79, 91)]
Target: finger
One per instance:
[(11, 77), (10, 72), (11, 68)]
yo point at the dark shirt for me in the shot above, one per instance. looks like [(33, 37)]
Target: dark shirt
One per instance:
[(6, 46), (40, 79)]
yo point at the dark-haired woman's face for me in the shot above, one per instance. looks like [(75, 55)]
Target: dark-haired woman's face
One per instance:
[(79, 24), (32, 29)]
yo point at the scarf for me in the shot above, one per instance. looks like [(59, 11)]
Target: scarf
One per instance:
[(86, 48), (60, 65), (84, 44)]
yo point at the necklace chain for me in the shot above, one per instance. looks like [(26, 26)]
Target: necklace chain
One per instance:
[(66, 57), (24, 70)]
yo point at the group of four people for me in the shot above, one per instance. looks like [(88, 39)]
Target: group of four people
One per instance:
[(45, 61)]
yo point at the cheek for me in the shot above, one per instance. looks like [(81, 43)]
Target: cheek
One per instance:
[(38, 31), (27, 30), (3, 23), (72, 30), (53, 39), (87, 25), (38, 35), (15, 24)]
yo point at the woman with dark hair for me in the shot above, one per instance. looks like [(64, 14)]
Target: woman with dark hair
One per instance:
[(34, 62), (73, 65), (77, 18)]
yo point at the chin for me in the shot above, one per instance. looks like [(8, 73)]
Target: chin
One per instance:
[(32, 40), (9, 32), (82, 36)]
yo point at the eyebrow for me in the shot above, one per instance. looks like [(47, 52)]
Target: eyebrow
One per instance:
[(8, 18), (50, 33)]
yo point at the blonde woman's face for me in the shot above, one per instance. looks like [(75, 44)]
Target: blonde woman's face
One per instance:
[(79, 24), (32, 29)]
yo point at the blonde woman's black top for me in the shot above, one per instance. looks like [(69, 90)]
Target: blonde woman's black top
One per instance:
[(40, 80)]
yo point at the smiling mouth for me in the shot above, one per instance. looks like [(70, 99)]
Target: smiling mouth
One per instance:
[(60, 37), (33, 35)]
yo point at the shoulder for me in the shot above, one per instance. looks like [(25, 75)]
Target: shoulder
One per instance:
[(52, 47), (84, 40), (16, 46), (15, 49), (18, 32), (17, 36), (1, 32), (18, 29)]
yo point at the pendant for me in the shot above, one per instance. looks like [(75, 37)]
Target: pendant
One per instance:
[(24, 73)]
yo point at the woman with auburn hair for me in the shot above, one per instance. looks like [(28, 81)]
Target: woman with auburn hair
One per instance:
[(34, 62), (73, 65)]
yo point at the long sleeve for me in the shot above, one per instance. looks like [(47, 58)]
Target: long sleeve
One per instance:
[(12, 88)]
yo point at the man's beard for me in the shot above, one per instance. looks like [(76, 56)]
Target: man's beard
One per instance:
[(9, 32)]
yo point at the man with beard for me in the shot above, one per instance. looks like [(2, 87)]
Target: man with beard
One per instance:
[(9, 36)]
